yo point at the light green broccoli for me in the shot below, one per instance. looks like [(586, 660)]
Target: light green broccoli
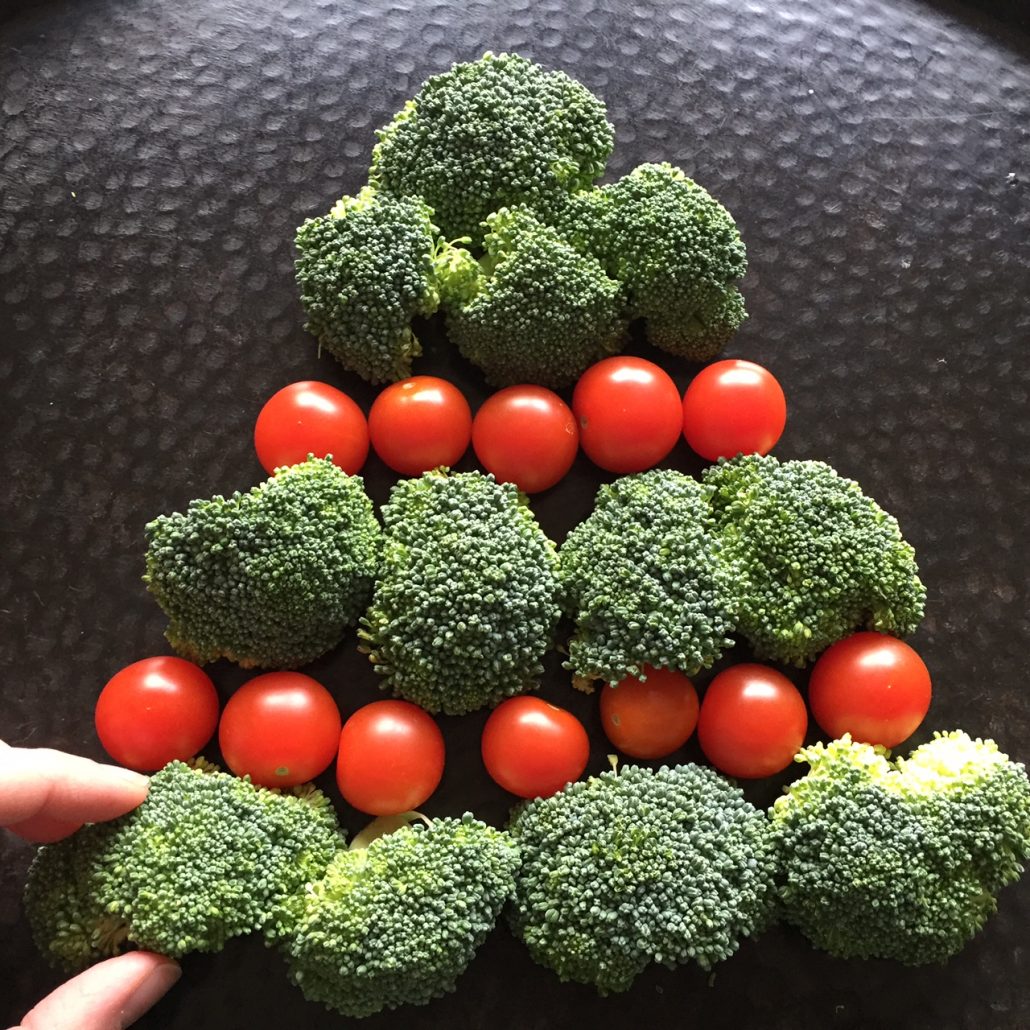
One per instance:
[(811, 558), (492, 133), (365, 271), (540, 311), (467, 598), (638, 866), (205, 858), (641, 578), (269, 578), (900, 860), (398, 919)]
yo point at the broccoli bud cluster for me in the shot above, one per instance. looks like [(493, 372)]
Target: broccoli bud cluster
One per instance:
[(481, 198)]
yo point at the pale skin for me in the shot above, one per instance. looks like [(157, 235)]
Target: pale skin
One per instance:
[(44, 796)]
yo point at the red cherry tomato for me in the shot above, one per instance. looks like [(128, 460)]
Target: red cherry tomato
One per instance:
[(870, 685), (391, 758), (311, 418), (419, 424), (156, 710), (280, 729), (752, 722), (532, 748), (733, 407), (629, 414), (526, 435), (650, 718)]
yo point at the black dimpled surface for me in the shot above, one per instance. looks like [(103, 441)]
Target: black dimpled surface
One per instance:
[(155, 159)]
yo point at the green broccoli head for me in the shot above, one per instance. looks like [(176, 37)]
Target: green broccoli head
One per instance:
[(634, 867), (642, 580), (493, 133), (541, 311), (674, 247), (206, 857), (900, 860), (811, 557), (466, 602), (269, 578), (365, 271), (397, 923)]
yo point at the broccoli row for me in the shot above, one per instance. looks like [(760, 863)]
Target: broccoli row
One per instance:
[(462, 591), (481, 197), (868, 858)]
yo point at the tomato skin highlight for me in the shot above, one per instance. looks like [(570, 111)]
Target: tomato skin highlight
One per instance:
[(532, 748), (420, 424), (733, 407), (652, 717), (311, 418), (870, 685), (526, 435), (155, 711), (280, 729), (752, 723), (630, 414), (391, 758)]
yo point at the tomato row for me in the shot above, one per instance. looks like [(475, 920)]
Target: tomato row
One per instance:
[(284, 728), (626, 414)]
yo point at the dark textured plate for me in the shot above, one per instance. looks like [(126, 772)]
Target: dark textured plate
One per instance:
[(154, 161)]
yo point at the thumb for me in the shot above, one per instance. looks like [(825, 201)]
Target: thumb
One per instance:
[(109, 996)]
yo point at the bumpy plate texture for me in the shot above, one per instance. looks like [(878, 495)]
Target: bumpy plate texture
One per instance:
[(155, 159)]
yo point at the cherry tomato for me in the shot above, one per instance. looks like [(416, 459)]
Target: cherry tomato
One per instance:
[(733, 407), (752, 722), (419, 424), (280, 729), (652, 717), (629, 414), (526, 435), (311, 418), (156, 710), (870, 685), (391, 758), (532, 748)]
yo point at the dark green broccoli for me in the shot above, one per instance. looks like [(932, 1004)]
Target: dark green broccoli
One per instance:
[(466, 601), (810, 556), (365, 270), (634, 867), (268, 578), (396, 922), (206, 857), (676, 250), (493, 133), (900, 860), (541, 312), (641, 578)]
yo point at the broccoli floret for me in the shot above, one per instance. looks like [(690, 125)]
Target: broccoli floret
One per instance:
[(365, 271), (641, 578), (674, 247), (206, 857), (466, 602), (397, 922), (489, 134), (901, 860), (810, 556), (268, 578), (541, 311), (634, 867)]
